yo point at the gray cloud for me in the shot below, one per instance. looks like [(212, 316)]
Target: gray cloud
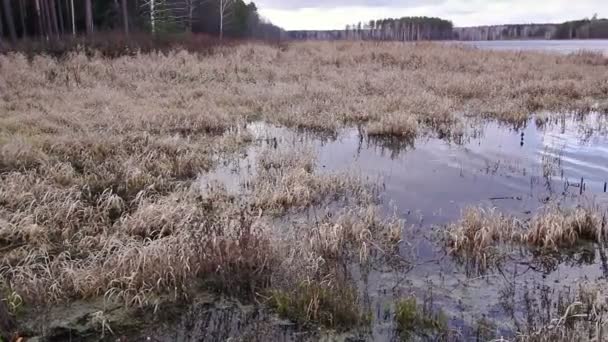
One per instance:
[(335, 14)]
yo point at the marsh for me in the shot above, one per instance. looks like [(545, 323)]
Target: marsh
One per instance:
[(318, 188)]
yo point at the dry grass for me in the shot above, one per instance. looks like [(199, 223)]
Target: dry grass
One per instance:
[(99, 157), (286, 180), (61, 243), (554, 228), (480, 233), (581, 318), (395, 88)]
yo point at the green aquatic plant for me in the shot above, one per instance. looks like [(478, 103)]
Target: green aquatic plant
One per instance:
[(331, 306), (413, 320)]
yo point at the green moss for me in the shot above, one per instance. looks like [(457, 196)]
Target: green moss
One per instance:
[(329, 306), (411, 320)]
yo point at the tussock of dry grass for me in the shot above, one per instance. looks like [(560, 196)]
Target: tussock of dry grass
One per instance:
[(395, 125), (554, 228), (480, 232), (286, 180)]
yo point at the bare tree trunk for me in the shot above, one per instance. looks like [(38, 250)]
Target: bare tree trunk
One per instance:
[(39, 16), (46, 17), (61, 20), (73, 17), (22, 14), (1, 29), (152, 18), (221, 25), (53, 13), (125, 16), (224, 7), (89, 16), (190, 14), (8, 14)]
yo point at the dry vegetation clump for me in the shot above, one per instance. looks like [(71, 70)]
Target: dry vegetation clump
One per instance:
[(286, 180), (395, 125), (554, 228), (479, 234)]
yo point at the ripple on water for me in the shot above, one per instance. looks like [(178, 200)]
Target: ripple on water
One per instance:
[(430, 181)]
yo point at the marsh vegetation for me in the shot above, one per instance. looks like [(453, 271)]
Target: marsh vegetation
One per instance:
[(147, 179)]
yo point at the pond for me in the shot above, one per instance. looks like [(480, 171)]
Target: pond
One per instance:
[(430, 180), (557, 46)]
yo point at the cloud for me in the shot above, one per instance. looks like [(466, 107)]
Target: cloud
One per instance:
[(301, 4), (336, 14)]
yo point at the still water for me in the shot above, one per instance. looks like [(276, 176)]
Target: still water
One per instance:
[(554, 46), (430, 180)]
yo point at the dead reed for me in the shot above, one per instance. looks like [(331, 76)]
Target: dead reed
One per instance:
[(480, 233), (578, 317), (99, 157)]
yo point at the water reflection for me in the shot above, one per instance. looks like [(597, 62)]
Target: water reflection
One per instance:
[(430, 180)]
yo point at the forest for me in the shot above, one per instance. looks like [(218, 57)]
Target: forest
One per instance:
[(401, 29), (429, 28), (51, 19), (593, 28)]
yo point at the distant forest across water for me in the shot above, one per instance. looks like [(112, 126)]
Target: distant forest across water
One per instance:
[(428, 28)]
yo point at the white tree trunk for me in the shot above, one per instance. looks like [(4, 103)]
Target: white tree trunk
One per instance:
[(224, 8), (73, 18), (152, 19), (222, 4)]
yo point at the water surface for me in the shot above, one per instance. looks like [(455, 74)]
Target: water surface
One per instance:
[(554, 46), (430, 180)]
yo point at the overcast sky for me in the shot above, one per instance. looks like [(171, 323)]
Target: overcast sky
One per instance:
[(336, 14)]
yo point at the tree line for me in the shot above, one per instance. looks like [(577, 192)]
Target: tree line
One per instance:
[(402, 29), (593, 28), (427, 28), (51, 19)]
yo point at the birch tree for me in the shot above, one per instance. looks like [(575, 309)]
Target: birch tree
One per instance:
[(152, 16), (73, 17), (225, 7)]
